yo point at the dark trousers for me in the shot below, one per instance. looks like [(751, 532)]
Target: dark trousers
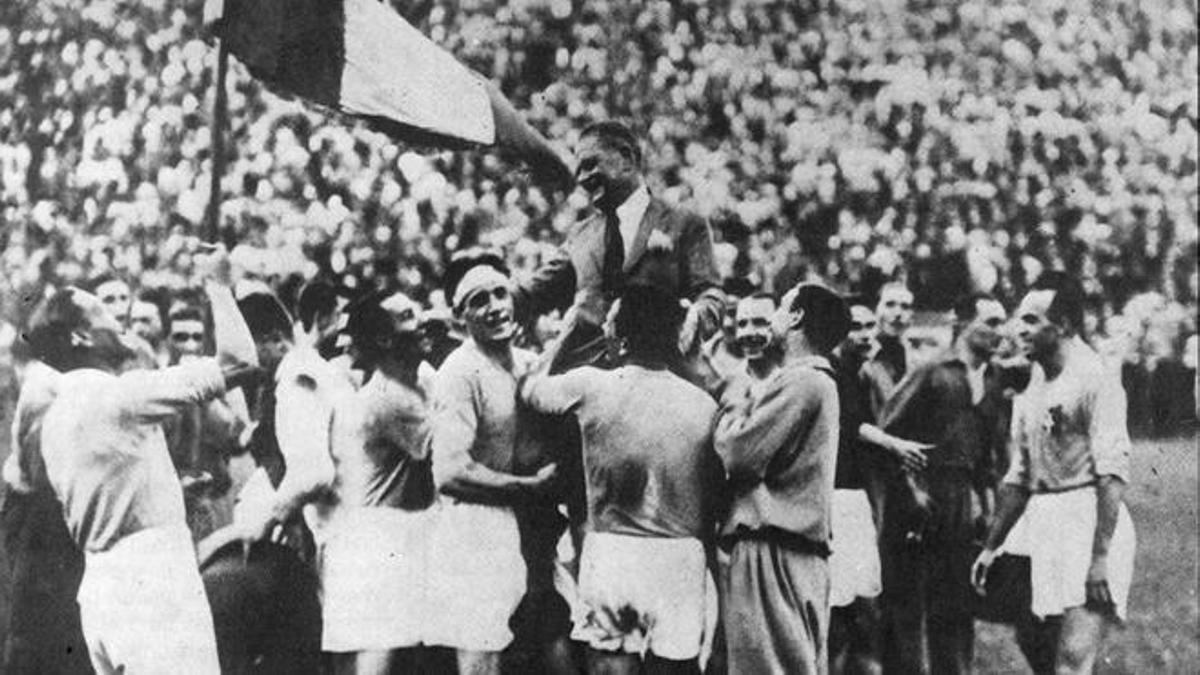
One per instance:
[(775, 609), (543, 616), (854, 637), (42, 569), (928, 626)]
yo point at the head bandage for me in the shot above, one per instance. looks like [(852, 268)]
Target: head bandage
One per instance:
[(477, 278)]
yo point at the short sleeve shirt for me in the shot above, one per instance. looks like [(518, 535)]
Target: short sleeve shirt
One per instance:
[(476, 417), (379, 462), (647, 447), (1069, 431)]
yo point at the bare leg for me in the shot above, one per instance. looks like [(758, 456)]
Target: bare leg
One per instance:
[(612, 663), (558, 658), (378, 662), (1079, 642), (478, 663)]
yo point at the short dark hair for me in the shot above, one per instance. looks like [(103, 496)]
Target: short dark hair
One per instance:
[(318, 298), (892, 284), (160, 298), (372, 328), (368, 324), (1066, 309), (759, 295), (826, 317), (103, 278), (50, 328), (264, 314), (858, 300), (738, 287), (618, 136), (966, 307), (648, 319)]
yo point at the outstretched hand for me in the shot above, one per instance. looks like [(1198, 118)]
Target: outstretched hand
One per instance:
[(544, 477), (911, 454)]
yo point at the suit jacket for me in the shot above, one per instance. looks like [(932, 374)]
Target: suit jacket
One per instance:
[(884, 371), (673, 250)]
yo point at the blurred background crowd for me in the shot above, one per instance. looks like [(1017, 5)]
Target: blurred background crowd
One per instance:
[(958, 145)]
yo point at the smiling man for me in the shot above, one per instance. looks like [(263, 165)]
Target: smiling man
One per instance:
[(752, 326), (778, 444), (631, 236), (1071, 449), (477, 573), (375, 521)]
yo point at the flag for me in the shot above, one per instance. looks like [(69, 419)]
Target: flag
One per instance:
[(361, 58)]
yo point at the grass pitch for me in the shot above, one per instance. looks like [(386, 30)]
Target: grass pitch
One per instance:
[(1163, 631)]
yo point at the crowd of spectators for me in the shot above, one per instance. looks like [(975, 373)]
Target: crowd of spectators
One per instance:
[(958, 144)]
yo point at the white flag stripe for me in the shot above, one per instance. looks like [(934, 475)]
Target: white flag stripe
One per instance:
[(394, 71)]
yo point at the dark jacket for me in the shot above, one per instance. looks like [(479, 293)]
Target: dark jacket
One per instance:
[(933, 404), (673, 250)]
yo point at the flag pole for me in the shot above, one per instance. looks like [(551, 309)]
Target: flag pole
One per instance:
[(212, 217)]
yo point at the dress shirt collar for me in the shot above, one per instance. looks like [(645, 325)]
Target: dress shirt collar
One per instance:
[(630, 214)]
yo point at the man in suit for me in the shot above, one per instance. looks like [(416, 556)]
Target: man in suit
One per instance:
[(631, 237)]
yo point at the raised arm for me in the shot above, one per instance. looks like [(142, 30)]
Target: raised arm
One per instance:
[(550, 287), (700, 285), (236, 352)]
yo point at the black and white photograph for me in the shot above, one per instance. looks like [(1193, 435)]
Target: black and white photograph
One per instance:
[(617, 337)]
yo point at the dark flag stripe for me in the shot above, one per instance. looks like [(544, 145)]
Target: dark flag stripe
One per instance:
[(361, 58)]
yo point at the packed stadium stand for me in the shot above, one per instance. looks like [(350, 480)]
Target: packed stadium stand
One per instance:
[(959, 144)]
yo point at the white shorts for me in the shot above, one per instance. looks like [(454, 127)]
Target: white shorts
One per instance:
[(1060, 530), (476, 577), (143, 608), (374, 575), (854, 570), (643, 594)]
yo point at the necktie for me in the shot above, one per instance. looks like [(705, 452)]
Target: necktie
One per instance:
[(611, 274)]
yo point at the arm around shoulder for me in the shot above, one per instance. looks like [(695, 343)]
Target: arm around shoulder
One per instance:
[(750, 432)]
